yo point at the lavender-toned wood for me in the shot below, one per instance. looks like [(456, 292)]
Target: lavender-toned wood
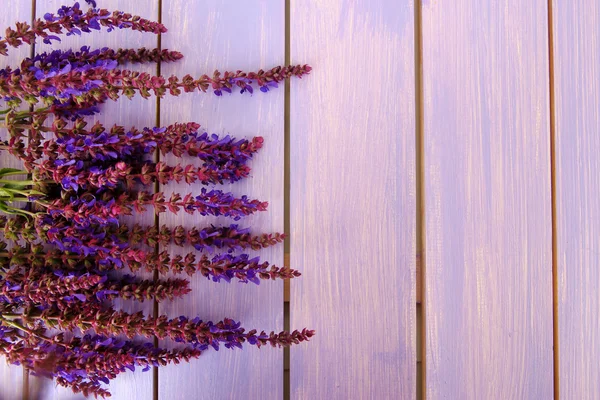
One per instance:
[(230, 35), (577, 91), (11, 376), (353, 200), (488, 288), (137, 112)]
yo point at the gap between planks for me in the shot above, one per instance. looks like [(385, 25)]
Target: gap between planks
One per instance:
[(420, 366), (551, 89), (286, 199)]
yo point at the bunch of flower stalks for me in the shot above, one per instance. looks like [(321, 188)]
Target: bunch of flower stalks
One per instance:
[(63, 238)]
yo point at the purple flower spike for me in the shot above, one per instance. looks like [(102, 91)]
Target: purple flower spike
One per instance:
[(63, 272), (72, 20)]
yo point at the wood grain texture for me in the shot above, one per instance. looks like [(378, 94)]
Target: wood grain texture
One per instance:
[(352, 200), (577, 91), (243, 35), (11, 376), (137, 112), (488, 288)]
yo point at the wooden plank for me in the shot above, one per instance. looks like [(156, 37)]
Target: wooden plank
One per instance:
[(248, 35), (11, 376), (577, 91), (352, 198), (136, 112), (488, 287)]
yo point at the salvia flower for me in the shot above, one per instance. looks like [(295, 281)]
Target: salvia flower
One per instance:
[(60, 277), (72, 20), (104, 208), (61, 58), (85, 363), (102, 145), (201, 334), (75, 175), (60, 288), (81, 257), (103, 80), (61, 232)]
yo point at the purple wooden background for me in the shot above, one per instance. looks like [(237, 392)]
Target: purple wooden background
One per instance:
[(353, 200), (577, 88), (488, 281), (486, 177)]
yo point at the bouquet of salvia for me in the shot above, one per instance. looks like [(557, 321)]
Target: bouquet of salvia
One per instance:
[(62, 210)]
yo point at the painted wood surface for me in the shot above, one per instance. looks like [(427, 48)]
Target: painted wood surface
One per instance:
[(488, 299), (488, 294), (248, 35), (11, 376), (353, 200), (577, 89), (136, 112)]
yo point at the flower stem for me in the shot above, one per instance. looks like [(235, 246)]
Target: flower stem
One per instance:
[(12, 323), (25, 183), (14, 173), (21, 211)]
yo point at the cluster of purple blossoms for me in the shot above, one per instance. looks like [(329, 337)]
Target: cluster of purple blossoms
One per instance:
[(63, 256)]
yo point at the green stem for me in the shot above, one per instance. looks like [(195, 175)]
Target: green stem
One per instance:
[(18, 210), (21, 172), (24, 199), (20, 327), (25, 183), (24, 193)]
